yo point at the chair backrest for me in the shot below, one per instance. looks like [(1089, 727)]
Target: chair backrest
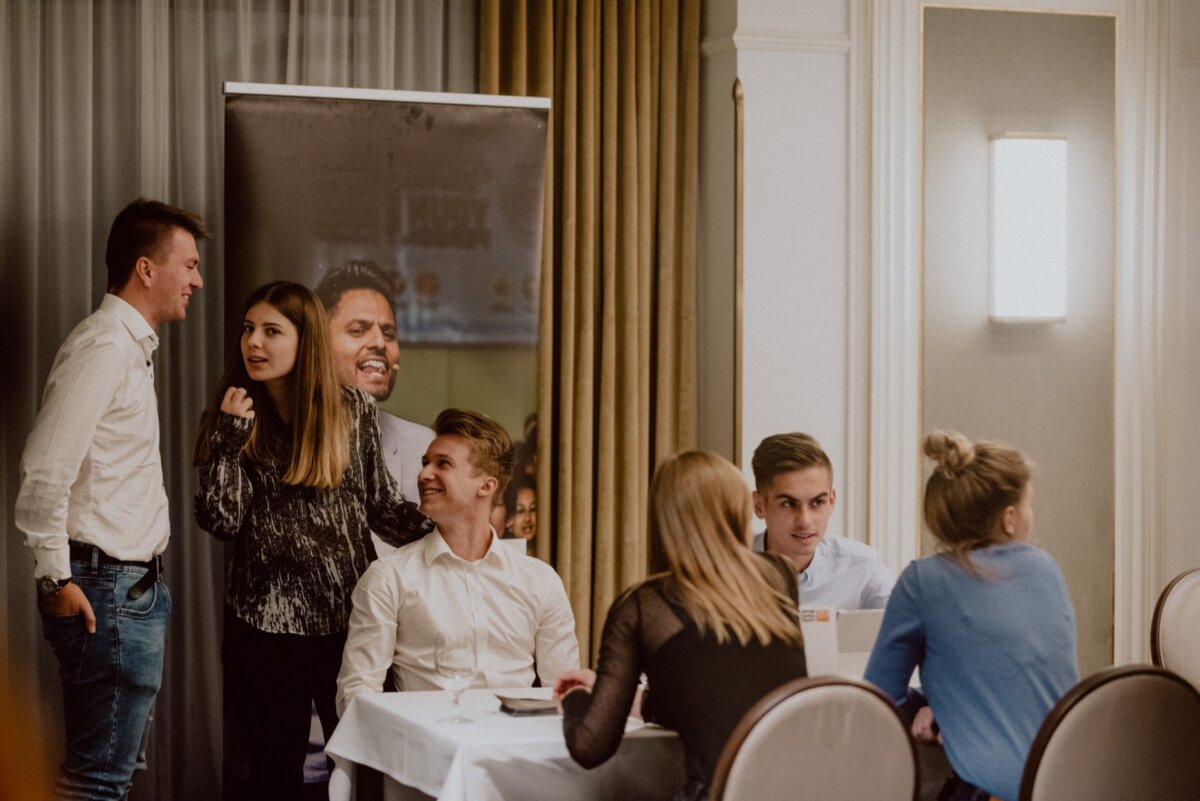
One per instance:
[(1127, 732), (819, 738), (1175, 630)]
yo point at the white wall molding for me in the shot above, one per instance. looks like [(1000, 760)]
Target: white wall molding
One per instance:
[(785, 41), (855, 498), (895, 331), (1140, 274), (790, 41)]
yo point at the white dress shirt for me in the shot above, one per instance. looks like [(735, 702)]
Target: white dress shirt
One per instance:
[(91, 470), (843, 574), (514, 606)]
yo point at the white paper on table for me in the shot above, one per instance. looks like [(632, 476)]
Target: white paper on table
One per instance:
[(819, 627)]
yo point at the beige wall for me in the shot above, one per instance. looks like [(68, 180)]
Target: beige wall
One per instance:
[(1045, 388), (500, 382), (1181, 423)]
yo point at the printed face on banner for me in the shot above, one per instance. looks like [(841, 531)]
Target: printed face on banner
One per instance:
[(362, 340)]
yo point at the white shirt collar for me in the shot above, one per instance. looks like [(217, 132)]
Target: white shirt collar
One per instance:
[(759, 543), (436, 547), (818, 559), (134, 322)]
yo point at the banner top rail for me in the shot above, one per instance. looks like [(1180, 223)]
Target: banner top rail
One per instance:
[(387, 95)]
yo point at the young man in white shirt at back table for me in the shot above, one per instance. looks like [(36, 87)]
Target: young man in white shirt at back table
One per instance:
[(794, 494), (458, 582)]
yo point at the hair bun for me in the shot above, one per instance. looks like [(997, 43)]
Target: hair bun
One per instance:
[(953, 452)]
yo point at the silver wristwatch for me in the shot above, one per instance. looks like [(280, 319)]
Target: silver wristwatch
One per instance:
[(49, 585)]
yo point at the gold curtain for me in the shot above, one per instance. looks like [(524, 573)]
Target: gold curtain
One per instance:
[(617, 392)]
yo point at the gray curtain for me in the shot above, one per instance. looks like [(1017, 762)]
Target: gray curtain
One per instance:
[(101, 102)]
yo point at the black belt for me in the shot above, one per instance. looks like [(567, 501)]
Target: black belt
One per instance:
[(96, 557)]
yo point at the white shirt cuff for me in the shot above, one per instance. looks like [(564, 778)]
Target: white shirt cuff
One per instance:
[(55, 562)]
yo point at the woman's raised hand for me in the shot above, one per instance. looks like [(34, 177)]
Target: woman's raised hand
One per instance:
[(238, 402)]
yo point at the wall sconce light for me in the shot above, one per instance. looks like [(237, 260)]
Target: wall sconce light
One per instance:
[(1029, 228)]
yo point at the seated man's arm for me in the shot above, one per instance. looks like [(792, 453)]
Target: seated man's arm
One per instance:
[(371, 639), (555, 648), (879, 584)]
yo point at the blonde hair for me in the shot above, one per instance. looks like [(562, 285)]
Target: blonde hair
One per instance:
[(699, 522), (971, 486), (492, 450), (319, 435)]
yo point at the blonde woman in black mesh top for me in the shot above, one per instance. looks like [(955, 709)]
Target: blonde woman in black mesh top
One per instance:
[(292, 473), (715, 628)]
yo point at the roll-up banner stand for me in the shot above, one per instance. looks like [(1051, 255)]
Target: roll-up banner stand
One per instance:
[(446, 189)]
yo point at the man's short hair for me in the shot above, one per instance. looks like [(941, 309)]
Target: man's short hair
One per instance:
[(359, 274), (785, 453), (491, 447), (144, 228)]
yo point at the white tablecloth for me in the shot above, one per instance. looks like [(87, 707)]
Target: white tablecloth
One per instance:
[(495, 757)]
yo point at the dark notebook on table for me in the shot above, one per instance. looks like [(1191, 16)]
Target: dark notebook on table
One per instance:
[(527, 706)]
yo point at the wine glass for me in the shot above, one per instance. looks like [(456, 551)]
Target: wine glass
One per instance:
[(454, 662)]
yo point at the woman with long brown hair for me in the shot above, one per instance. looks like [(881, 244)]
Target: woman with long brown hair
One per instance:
[(292, 472), (715, 628), (987, 619)]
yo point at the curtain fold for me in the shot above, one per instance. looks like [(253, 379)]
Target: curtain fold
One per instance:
[(105, 101), (618, 345)]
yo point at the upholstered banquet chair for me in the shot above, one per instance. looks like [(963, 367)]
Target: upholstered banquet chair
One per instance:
[(1175, 630), (819, 738), (1125, 733)]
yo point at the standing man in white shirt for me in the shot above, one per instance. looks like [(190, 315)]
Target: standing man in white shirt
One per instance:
[(359, 299), (93, 506), (794, 494), (459, 581)]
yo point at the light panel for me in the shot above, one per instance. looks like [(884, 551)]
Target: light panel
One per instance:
[(1029, 228)]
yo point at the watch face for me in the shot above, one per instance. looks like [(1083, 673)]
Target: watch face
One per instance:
[(48, 585)]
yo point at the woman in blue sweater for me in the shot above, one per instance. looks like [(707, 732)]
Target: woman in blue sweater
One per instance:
[(988, 620)]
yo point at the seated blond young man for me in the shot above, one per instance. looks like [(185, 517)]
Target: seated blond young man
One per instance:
[(459, 582)]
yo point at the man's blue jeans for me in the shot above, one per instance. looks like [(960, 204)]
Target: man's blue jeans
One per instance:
[(109, 679)]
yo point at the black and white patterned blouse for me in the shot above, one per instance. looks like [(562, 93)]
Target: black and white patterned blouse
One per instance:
[(299, 551)]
